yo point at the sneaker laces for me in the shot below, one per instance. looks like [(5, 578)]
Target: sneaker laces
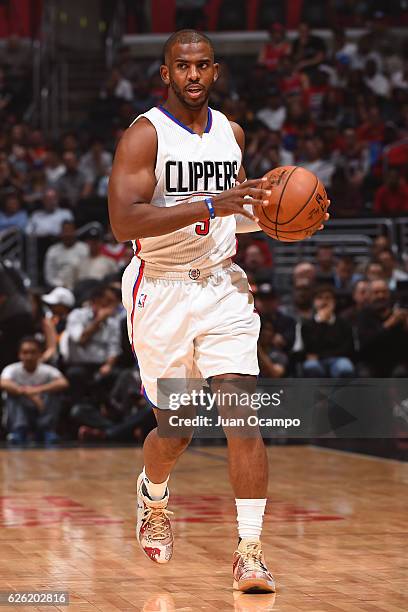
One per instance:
[(252, 557), (157, 519)]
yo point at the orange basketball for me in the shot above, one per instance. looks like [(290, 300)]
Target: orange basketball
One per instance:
[(296, 207)]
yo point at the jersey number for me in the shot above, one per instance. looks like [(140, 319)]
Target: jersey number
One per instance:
[(203, 227)]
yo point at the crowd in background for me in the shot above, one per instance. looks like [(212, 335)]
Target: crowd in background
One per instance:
[(339, 108)]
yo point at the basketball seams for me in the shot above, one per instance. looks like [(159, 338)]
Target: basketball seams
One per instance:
[(285, 232), (280, 200), (301, 229), (304, 206)]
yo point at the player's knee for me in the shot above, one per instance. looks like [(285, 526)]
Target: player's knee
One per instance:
[(178, 445)]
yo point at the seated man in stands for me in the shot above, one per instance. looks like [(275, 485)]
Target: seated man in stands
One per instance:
[(327, 339), (32, 387), (382, 335), (92, 334), (134, 417), (63, 259)]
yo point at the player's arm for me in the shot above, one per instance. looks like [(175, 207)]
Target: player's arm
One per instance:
[(132, 184), (244, 224)]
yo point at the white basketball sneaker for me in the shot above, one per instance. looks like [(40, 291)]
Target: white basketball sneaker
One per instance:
[(249, 569), (153, 529)]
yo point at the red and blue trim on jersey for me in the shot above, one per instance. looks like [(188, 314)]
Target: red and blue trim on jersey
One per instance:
[(138, 247), (134, 297), (185, 127)]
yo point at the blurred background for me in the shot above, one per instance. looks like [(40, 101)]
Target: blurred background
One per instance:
[(319, 84)]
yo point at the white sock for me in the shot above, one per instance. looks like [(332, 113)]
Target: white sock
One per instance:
[(250, 516), (156, 491)]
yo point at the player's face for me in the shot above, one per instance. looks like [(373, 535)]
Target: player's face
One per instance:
[(190, 72)]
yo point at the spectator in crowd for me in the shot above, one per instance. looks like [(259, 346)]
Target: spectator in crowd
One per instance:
[(267, 305), (70, 143), (10, 180), (47, 222), (60, 301), (341, 46), (382, 335), (361, 298), (273, 114), (304, 269), (392, 197), (92, 335), (15, 315), (299, 306), (325, 262), (95, 162), (309, 51), (371, 131), (53, 167), (392, 271), (327, 339), (345, 275), (380, 243), (44, 330), (73, 184), (377, 82), (96, 265), (117, 87), (273, 362), (374, 271), (399, 78), (277, 47), (63, 259), (13, 215), (119, 252), (128, 66), (255, 264), (314, 161), (267, 153), (136, 416), (33, 402)]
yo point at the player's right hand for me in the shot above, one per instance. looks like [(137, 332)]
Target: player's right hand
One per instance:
[(232, 201)]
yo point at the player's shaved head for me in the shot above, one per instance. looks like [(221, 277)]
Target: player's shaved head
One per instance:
[(185, 37)]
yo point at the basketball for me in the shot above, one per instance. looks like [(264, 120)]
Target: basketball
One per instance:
[(297, 205)]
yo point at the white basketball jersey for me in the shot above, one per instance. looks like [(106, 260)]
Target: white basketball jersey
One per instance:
[(189, 168)]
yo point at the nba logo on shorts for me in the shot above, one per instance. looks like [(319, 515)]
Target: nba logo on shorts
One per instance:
[(141, 301)]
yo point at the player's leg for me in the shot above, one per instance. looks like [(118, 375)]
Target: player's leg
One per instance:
[(228, 344), (248, 472), (160, 454), (158, 326)]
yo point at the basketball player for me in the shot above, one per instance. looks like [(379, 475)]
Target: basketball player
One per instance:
[(173, 192)]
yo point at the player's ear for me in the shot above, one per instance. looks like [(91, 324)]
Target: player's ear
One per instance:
[(164, 73), (216, 71)]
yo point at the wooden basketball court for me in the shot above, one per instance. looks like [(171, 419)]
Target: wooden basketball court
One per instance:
[(335, 534)]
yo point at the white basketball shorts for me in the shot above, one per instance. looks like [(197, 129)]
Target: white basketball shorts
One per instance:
[(194, 324)]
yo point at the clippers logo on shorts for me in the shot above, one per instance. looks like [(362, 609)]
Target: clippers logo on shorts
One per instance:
[(189, 176), (141, 300), (194, 274)]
